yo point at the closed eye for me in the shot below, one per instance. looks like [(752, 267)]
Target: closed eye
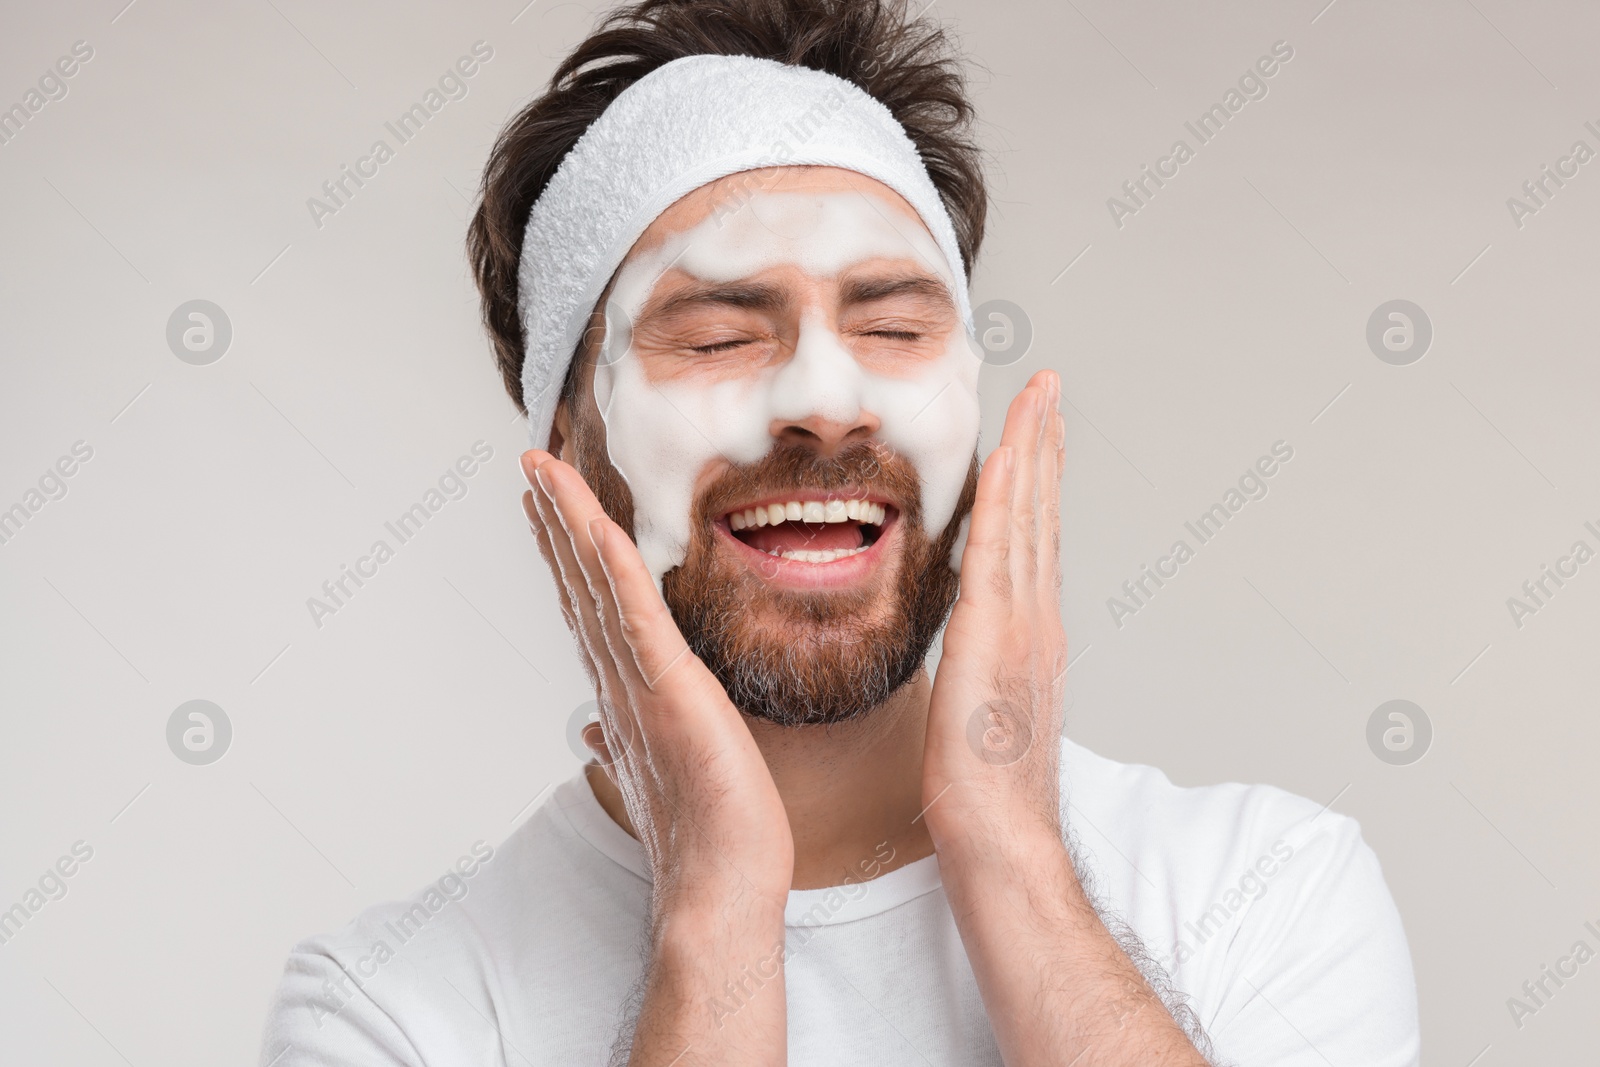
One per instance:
[(723, 346), (720, 346)]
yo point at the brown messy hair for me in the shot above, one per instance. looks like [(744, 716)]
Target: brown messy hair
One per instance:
[(909, 66)]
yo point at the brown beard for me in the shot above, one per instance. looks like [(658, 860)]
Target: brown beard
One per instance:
[(837, 654)]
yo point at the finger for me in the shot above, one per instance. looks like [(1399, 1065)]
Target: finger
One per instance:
[(593, 733), (566, 571), (1049, 579), (1052, 460), (645, 627), (1048, 582), (573, 507), (541, 536), (569, 612), (619, 616), (613, 694), (1024, 421), (610, 738), (530, 462), (985, 562)]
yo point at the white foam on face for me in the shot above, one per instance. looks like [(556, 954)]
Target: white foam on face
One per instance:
[(959, 546), (664, 435)]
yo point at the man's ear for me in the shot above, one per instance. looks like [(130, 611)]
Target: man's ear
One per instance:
[(560, 432)]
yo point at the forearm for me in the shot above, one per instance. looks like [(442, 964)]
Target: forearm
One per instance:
[(1057, 986), (714, 991)]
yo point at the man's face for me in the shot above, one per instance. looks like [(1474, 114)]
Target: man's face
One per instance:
[(783, 412)]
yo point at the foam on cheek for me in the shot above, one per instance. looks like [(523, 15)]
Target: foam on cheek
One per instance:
[(663, 436)]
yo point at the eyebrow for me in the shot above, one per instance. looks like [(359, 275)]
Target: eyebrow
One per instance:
[(759, 296), (866, 290), (748, 296)]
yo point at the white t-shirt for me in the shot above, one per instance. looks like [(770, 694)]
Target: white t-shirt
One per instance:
[(1270, 914)]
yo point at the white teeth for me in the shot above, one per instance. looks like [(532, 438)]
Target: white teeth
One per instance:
[(834, 510), (809, 556)]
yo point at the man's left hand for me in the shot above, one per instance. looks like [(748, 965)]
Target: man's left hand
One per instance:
[(990, 769)]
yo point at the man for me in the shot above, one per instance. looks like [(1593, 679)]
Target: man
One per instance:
[(724, 263)]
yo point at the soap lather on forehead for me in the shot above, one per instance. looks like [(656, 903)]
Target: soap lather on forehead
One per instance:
[(821, 233)]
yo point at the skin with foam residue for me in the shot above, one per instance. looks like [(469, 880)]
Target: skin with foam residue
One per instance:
[(664, 432)]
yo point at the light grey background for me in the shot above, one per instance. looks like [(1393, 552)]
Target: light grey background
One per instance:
[(1228, 314)]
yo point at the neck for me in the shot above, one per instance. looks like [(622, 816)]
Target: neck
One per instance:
[(850, 789)]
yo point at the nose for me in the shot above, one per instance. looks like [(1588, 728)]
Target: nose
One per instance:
[(817, 397), (823, 434)]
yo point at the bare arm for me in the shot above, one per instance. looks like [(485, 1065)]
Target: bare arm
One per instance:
[(1057, 986), (713, 988)]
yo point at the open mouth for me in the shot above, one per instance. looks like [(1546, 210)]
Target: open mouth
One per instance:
[(813, 531)]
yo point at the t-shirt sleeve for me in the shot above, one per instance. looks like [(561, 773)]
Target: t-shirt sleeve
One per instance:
[(1319, 971), (319, 1018)]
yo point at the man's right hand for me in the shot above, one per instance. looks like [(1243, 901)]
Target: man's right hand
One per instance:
[(693, 782)]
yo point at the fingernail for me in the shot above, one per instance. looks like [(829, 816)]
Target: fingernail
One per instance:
[(597, 531), (543, 479)]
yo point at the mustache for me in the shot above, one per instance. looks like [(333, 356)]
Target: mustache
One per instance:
[(865, 465)]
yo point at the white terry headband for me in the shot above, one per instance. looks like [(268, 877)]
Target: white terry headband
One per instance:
[(686, 123)]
